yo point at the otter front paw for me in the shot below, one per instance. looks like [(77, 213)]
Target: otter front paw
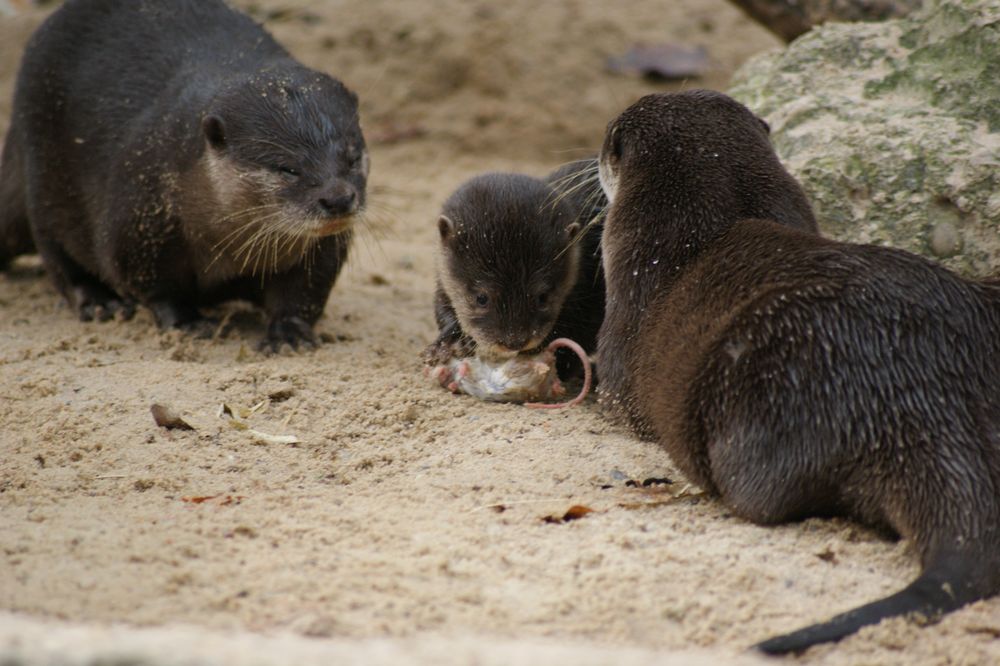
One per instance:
[(174, 315), (93, 302), (184, 318), (443, 350), (291, 331)]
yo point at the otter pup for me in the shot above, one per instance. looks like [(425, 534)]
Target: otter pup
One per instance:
[(520, 265), (171, 153), (792, 375)]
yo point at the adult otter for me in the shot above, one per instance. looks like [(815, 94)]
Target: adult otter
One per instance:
[(171, 153), (739, 160), (514, 270), (793, 375)]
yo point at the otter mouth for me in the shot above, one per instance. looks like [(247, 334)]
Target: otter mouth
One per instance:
[(496, 353), (332, 227), (500, 353)]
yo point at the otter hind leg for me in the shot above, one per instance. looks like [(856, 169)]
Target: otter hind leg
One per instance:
[(768, 477), (15, 230), (89, 297), (947, 584)]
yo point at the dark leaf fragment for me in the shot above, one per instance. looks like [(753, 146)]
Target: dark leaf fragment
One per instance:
[(167, 418)]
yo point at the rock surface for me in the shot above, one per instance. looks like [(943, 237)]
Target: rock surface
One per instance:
[(894, 128)]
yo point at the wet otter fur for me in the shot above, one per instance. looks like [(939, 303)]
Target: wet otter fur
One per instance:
[(739, 162), (172, 154), (519, 265), (793, 375)]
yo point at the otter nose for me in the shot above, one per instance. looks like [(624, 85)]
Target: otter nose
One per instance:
[(515, 344), (338, 203)]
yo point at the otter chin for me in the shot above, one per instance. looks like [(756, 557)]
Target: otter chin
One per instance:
[(495, 351), (791, 375), (334, 227), (206, 164)]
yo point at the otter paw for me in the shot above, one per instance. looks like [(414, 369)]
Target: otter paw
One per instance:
[(203, 328), (291, 331), (441, 351), (174, 315), (95, 303), (437, 353)]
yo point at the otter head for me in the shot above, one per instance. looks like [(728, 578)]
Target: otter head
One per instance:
[(285, 154), (681, 168), (508, 260)]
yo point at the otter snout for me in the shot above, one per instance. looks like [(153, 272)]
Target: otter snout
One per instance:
[(514, 343), (337, 202)]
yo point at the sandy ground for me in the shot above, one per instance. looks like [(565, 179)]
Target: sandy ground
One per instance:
[(407, 526)]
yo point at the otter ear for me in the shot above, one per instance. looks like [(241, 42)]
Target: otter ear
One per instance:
[(615, 143), (215, 131), (446, 226), (767, 128), (572, 230)]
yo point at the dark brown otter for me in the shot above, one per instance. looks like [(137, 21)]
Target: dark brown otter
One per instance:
[(792, 375), (171, 153), (520, 265), (737, 174)]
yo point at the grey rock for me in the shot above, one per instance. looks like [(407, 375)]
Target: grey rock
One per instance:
[(894, 128)]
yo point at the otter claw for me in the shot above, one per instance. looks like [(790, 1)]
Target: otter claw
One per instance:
[(94, 303), (291, 331)]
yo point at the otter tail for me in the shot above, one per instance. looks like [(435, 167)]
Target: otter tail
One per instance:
[(946, 584), (15, 232)]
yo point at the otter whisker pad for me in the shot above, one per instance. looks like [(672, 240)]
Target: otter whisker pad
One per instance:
[(525, 378)]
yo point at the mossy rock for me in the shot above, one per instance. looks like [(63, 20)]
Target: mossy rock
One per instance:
[(894, 128)]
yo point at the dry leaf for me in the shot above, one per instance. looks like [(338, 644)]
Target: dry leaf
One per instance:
[(575, 512), (265, 438), (225, 501), (828, 556), (199, 499), (168, 418)]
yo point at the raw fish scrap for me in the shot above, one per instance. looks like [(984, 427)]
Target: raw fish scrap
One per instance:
[(522, 378)]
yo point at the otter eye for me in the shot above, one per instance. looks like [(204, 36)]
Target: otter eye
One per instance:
[(543, 299), (482, 300), (288, 172)]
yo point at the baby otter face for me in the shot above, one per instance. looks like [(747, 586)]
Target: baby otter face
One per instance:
[(507, 261), (506, 317), (289, 152)]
